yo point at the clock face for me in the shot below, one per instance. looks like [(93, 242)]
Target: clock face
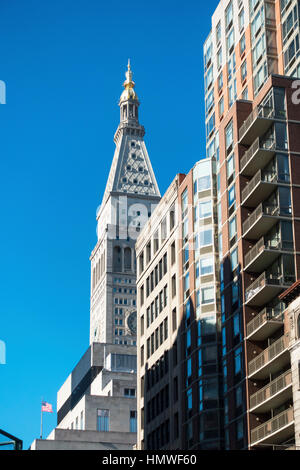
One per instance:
[(131, 322)]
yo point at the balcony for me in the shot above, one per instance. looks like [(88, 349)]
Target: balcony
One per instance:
[(274, 431), (257, 156), (263, 219), (270, 361), (265, 252), (264, 324), (259, 188), (266, 287), (256, 125), (273, 395)]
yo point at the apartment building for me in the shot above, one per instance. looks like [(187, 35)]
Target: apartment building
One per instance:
[(159, 379), (192, 415), (251, 60)]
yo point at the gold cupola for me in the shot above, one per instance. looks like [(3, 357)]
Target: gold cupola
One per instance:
[(129, 92)]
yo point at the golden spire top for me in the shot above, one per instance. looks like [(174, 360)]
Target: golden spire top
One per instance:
[(129, 85)]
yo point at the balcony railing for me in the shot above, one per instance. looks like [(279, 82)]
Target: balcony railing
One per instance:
[(272, 426), (268, 145), (272, 389), (260, 177), (262, 209), (271, 211), (267, 314), (261, 112), (274, 244), (268, 355), (269, 279)]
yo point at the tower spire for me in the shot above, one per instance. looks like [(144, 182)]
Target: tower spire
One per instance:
[(129, 92)]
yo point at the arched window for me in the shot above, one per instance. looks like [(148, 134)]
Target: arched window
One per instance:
[(127, 259), (117, 260)]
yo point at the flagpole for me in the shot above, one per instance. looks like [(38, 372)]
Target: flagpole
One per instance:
[(41, 420)]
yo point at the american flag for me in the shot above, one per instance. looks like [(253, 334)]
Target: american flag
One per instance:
[(46, 407)]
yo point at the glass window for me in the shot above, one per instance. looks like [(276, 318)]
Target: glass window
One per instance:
[(202, 173), (239, 430), (206, 327), (189, 399), (230, 40), (229, 136), (242, 19), (244, 70), (205, 237), (208, 393), (230, 166), (103, 420), (221, 106), (234, 259), (189, 367), (283, 168), (186, 282), (242, 44), (231, 196), (133, 421), (228, 14), (238, 360), (281, 135), (184, 200), (285, 201), (232, 228), (207, 295), (205, 209), (206, 265), (235, 292), (218, 32), (236, 325), (238, 396)]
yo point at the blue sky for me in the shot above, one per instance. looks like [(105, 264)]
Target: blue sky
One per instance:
[(63, 62)]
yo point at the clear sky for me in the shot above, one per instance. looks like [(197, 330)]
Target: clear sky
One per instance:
[(63, 62)]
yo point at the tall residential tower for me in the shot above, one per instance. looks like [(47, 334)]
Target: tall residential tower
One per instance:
[(251, 60)]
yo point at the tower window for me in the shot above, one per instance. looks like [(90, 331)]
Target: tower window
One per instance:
[(146, 182), (133, 156), (124, 180), (132, 144)]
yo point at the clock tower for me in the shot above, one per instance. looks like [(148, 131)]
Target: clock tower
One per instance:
[(129, 198)]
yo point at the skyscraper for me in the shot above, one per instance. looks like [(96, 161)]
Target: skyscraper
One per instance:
[(251, 60), (96, 406)]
